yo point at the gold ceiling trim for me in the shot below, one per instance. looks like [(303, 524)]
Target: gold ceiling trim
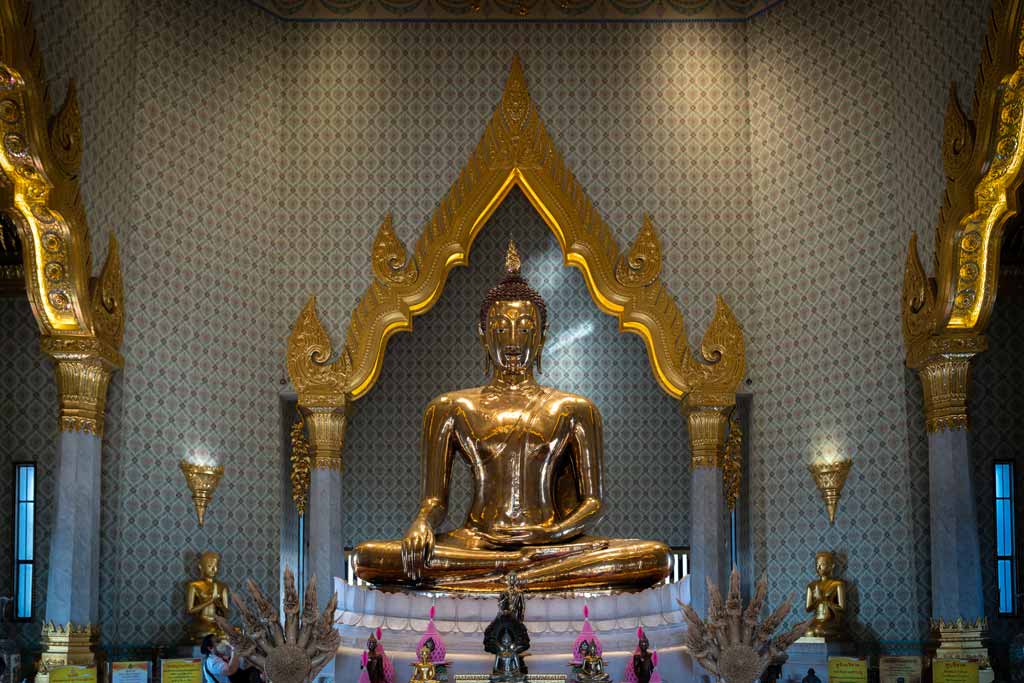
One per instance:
[(515, 10), (982, 155), (40, 156), (516, 151)]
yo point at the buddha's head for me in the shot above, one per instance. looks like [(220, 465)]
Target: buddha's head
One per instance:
[(825, 564), (424, 654), (642, 641), (371, 644), (209, 564), (513, 319)]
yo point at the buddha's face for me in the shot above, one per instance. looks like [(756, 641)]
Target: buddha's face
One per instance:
[(513, 336), (209, 565), (824, 564)]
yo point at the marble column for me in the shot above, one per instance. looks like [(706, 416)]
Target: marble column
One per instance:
[(956, 554), (71, 623), (959, 626), (709, 531), (72, 590), (325, 427)]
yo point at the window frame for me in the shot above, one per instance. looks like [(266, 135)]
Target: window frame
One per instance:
[(16, 561), (1014, 557)]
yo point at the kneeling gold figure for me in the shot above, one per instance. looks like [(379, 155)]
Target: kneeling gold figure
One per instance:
[(536, 456)]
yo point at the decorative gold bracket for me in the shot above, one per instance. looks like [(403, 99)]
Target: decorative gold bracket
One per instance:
[(516, 151), (81, 319)]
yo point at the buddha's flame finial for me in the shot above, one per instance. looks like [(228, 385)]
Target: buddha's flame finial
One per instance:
[(512, 261)]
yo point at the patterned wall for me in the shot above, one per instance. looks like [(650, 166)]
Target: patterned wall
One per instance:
[(182, 142), (264, 155), (997, 433), (826, 351), (28, 421)]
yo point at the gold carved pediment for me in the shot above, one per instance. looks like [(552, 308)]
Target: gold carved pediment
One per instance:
[(982, 155), (516, 151), (40, 156)]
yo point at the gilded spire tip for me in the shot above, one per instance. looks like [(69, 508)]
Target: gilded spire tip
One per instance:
[(512, 261)]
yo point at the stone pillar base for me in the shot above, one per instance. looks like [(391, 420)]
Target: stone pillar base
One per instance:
[(67, 645), (962, 639)]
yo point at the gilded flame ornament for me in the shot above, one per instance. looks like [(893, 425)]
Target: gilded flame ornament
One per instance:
[(830, 477), (202, 481)]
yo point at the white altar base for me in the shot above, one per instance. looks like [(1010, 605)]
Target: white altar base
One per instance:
[(553, 623)]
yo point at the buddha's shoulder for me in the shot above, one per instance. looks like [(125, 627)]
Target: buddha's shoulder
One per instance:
[(452, 398), (566, 399)]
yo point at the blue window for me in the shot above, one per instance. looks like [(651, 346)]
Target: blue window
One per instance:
[(1006, 542), (24, 538)]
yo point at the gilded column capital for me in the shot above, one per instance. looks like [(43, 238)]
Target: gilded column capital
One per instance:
[(706, 425), (945, 380), (325, 426), (82, 388)]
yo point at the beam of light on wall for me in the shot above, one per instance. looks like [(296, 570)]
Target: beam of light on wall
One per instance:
[(567, 339), (201, 455)]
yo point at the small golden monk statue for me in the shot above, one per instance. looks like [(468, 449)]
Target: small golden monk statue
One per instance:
[(206, 598), (536, 456), (423, 670), (826, 597)]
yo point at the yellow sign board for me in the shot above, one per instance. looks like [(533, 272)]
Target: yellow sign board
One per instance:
[(129, 672), (181, 671), (954, 671), (73, 674), (847, 670), (899, 669)]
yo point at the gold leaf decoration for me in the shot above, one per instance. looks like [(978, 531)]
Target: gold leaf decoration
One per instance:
[(515, 150), (732, 463), (983, 157), (958, 137), (317, 381), (66, 133), (723, 350), (390, 260), (300, 460), (107, 298), (641, 266)]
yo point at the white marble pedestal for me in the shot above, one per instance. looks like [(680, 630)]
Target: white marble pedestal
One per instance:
[(553, 622), (812, 653)]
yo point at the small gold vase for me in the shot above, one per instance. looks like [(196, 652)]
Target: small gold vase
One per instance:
[(830, 477), (202, 482)]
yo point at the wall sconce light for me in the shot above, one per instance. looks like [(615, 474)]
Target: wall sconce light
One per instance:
[(830, 477), (202, 480)]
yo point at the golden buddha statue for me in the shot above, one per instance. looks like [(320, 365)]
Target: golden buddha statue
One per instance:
[(423, 670), (536, 457), (826, 597), (206, 598)]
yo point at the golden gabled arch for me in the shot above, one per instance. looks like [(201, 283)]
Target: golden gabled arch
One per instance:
[(516, 151), (983, 157), (80, 317)]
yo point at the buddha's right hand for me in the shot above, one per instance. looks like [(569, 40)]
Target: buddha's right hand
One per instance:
[(417, 547)]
